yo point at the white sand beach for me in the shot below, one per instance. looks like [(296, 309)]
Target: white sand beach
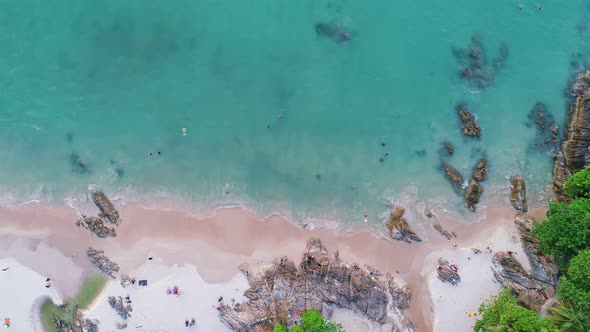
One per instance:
[(155, 310)]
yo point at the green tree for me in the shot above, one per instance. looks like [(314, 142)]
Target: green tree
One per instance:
[(296, 328), (569, 318), (502, 313), (280, 328), (566, 230), (578, 185), (575, 284)]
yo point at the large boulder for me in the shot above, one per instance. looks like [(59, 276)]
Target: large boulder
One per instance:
[(448, 272), (472, 194), (398, 227), (518, 193), (575, 152), (285, 290), (543, 268), (480, 171), (453, 176), (469, 125), (124, 311), (107, 209), (102, 262), (96, 226)]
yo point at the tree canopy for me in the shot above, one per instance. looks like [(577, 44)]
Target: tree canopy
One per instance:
[(575, 284), (578, 185)]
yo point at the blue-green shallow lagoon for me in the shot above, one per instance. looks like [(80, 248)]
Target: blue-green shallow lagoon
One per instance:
[(113, 81)]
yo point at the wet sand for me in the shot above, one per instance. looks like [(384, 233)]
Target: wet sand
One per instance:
[(216, 245)]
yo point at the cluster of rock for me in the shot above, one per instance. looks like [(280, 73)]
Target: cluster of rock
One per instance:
[(547, 129), (117, 303), (575, 152), (80, 324), (469, 125), (447, 272), (532, 288), (448, 148), (437, 226), (473, 190), (108, 214), (398, 227), (475, 65), (102, 262), (321, 281), (518, 193)]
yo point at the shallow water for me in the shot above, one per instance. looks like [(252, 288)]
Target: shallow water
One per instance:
[(111, 83)]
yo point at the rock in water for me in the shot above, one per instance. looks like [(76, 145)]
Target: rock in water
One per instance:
[(547, 130), (448, 147), (102, 262), (96, 226), (442, 231), (575, 152), (543, 268), (472, 194), (454, 177), (509, 272), (518, 193), (285, 290), (448, 272), (398, 227), (469, 125), (119, 306), (106, 208), (480, 171)]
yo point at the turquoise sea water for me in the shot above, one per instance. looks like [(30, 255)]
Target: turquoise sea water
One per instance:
[(113, 81)]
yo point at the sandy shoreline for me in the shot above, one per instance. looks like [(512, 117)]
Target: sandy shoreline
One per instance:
[(216, 245)]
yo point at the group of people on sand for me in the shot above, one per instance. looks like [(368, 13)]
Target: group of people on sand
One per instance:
[(173, 291), (190, 323)]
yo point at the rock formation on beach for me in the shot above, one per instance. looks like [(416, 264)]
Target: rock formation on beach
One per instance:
[(107, 209), (532, 288), (447, 272), (398, 226), (281, 293), (96, 226), (469, 125), (453, 176), (124, 311), (518, 193), (472, 194), (443, 231), (80, 324), (102, 262), (575, 152)]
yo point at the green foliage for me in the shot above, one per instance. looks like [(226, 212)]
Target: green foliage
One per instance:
[(296, 328), (568, 318), (575, 284), (578, 185), (502, 313), (566, 230), (280, 328)]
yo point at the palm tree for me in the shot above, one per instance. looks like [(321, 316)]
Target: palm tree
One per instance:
[(569, 318)]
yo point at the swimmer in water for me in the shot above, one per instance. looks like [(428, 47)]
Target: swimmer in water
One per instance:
[(366, 216)]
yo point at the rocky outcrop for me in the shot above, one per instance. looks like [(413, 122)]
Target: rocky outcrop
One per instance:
[(518, 193), (96, 226), (64, 325), (472, 194), (509, 272), (124, 311), (480, 171), (285, 290), (398, 227), (453, 176), (543, 268), (448, 272), (475, 65), (107, 209), (547, 130), (469, 125), (443, 231), (448, 148), (575, 152), (102, 262)]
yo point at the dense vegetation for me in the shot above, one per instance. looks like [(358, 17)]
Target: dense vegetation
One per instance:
[(311, 321), (89, 291), (565, 235)]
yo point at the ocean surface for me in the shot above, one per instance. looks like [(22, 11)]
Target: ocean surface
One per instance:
[(219, 102)]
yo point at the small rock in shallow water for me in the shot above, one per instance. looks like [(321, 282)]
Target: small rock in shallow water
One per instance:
[(469, 125)]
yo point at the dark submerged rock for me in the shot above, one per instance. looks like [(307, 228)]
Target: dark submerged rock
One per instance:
[(285, 290), (547, 130), (469, 125), (398, 227), (78, 165), (448, 148), (333, 31), (475, 67), (518, 193)]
